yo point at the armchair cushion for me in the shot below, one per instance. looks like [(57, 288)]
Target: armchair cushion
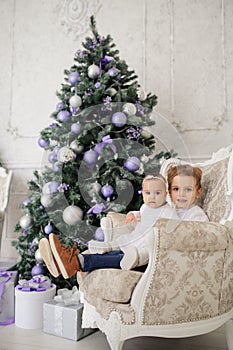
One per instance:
[(110, 284)]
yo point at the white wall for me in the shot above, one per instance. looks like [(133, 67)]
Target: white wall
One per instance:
[(182, 50)]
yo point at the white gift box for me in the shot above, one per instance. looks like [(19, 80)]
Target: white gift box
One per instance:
[(64, 320), (29, 307)]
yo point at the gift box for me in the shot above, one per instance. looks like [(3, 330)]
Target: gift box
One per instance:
[(8, 280), (29, 299), (64, 320)]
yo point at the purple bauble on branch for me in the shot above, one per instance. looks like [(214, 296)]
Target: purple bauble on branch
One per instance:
[(107, 191), (38, 270), (74, 78), (90, 157), (59, 106), (119, 119), (48, 229), (64, 116), (43, 143), (113, 71), (76, 128), (132, 164), (99, 234)]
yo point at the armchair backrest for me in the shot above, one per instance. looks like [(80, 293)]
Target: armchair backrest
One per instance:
[(217, 184)]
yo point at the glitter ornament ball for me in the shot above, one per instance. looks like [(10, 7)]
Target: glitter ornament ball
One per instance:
[(72, 215), (76, 128), (38, 270), (90, 157), (74, 78), (119, 119), (93, 71), (75, 101), (132, 164), (64, 116), (99, 234), (107, 191), (38, 257), (25, 222), (65, 154), (43, 143), (129, 108)]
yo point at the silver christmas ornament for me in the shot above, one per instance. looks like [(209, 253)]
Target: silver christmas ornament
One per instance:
[(46, 200), (111, 91), (141, 94), (25, 221), (75, 101), (93, 71), (72, 215), (129, 108), (76, 148), (38, 257)]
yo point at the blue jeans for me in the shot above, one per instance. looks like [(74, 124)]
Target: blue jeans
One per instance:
[(100, 261)]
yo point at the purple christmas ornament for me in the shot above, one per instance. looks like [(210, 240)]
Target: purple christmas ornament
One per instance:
[(48, 229), (38, 270), (64, 116), (43, 143), (119, 119), (99, 234), (76, 128), (53, 186), (107, 191), (73, 78), (90, 157), (113, 71), (132, 164), (59, 106)]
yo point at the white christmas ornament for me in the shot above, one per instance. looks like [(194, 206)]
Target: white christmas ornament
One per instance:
[(46, 200), (65, 154), (129, 108), (25, 221), (38, 257), (76, 148), (111, 91), (72, 215), (146, 134), (75, 101), (141, 94), (93, 71)]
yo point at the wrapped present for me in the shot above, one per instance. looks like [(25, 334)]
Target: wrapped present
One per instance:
[(63, 316), (29, 299), (8, 281)]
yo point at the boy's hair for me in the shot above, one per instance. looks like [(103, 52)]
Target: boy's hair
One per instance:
[(184, 170), (154, 177)]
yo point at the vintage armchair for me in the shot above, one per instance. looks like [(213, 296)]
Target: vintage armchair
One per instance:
[(187, 287)]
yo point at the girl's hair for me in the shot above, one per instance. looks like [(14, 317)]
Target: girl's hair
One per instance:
[(154, 177), (184, 170)]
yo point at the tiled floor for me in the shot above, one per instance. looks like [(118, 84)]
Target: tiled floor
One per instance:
[(14, 338)]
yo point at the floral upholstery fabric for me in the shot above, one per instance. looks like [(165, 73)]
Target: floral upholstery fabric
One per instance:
[(110, 284), (190, 284), (213, 199)]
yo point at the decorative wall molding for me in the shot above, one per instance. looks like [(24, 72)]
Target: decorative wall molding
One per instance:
[(75, 15)]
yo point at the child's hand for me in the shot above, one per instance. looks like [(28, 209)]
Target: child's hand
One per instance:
[(130, 218), (96, 247)]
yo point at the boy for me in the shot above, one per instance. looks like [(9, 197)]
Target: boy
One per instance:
[(115, 254)]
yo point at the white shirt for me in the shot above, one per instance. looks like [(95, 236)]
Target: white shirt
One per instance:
[(148, 218), (194, 213)]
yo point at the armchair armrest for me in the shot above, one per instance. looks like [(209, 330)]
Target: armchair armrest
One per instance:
[(113, 226)]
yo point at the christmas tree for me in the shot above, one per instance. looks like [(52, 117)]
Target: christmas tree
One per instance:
[(98, 151)]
